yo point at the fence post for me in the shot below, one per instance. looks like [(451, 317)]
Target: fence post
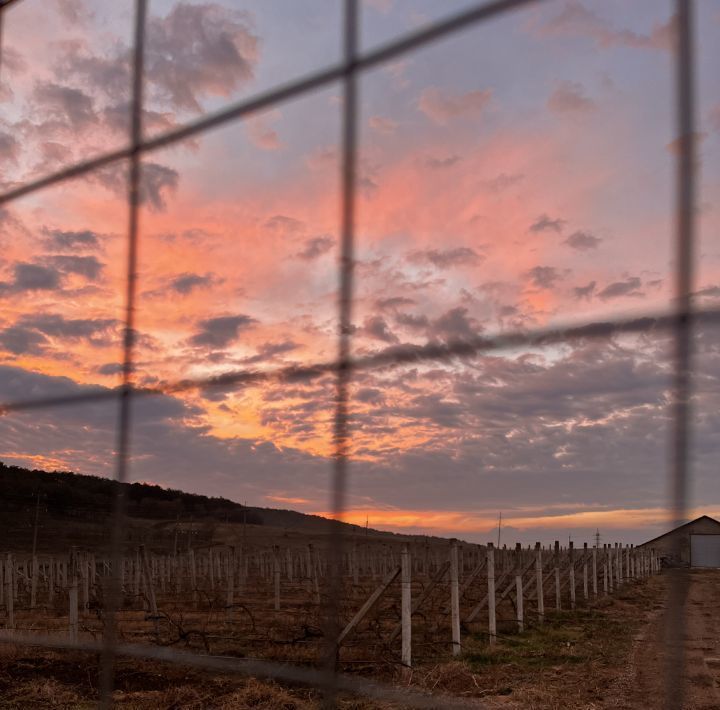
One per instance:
[(585, 571), (492, 622), (406, 606), (454, 598), (519, 587)]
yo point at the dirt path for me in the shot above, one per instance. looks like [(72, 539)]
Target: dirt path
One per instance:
[(643, 684)]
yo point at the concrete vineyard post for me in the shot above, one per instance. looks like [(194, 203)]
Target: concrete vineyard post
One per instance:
[(73, 597), (594, 570), (9, 598), (519, 587), (34, 582), (539, 582), (585, 571), (454, 598), (148, 581), (558, 604), (492, 627), (276, 576), (406, 606), (571, 574)]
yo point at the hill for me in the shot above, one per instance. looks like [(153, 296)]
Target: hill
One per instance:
[(57, 509)]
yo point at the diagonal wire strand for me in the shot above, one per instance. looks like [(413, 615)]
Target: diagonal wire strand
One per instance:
[(391, 356)]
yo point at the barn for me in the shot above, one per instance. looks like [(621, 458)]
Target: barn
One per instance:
[(694, 544)]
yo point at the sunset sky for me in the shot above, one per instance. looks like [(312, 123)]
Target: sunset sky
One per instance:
[(517, 175)]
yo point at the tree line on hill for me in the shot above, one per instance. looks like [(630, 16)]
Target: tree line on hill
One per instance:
[(65, 494)]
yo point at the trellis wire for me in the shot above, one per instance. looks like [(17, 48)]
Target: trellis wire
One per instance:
[(682, 323)]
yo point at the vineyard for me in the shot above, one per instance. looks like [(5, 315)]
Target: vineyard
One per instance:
[(400, 603)]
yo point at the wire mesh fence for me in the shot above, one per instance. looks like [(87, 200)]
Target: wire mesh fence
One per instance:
[(680, 321)]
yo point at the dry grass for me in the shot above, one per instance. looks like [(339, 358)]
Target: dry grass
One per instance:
[(571, 661)]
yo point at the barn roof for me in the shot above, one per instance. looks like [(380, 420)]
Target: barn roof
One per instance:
[(680, 527)]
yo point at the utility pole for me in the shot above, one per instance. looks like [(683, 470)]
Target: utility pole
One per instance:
[(499, 526), (597, 537)]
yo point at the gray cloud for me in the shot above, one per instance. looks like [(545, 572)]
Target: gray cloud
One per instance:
[(221, 331), (546, 224), (87, 266), (583, 241), (283, 224), (9, 148), (376, 327), (544, 276), (503, 181), (569, 97), (199, 50), (446, 258), (22, 341), (71, 241), (32, 277), (585, 292), (186, 283), (98, 331), (73, 107), (315, 247), (628, 287), (412, 321), (455, 324), (269, 351), (393, 302), (441, 163), (157, 182)]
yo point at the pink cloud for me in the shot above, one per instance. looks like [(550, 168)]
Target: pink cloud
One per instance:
[(382, 124), (261, 134), (575, 20), (569, 97), (443, 106)]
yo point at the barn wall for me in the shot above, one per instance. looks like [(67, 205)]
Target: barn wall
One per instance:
[(666, 545)]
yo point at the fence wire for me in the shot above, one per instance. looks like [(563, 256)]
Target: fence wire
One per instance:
[(681, 323)]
